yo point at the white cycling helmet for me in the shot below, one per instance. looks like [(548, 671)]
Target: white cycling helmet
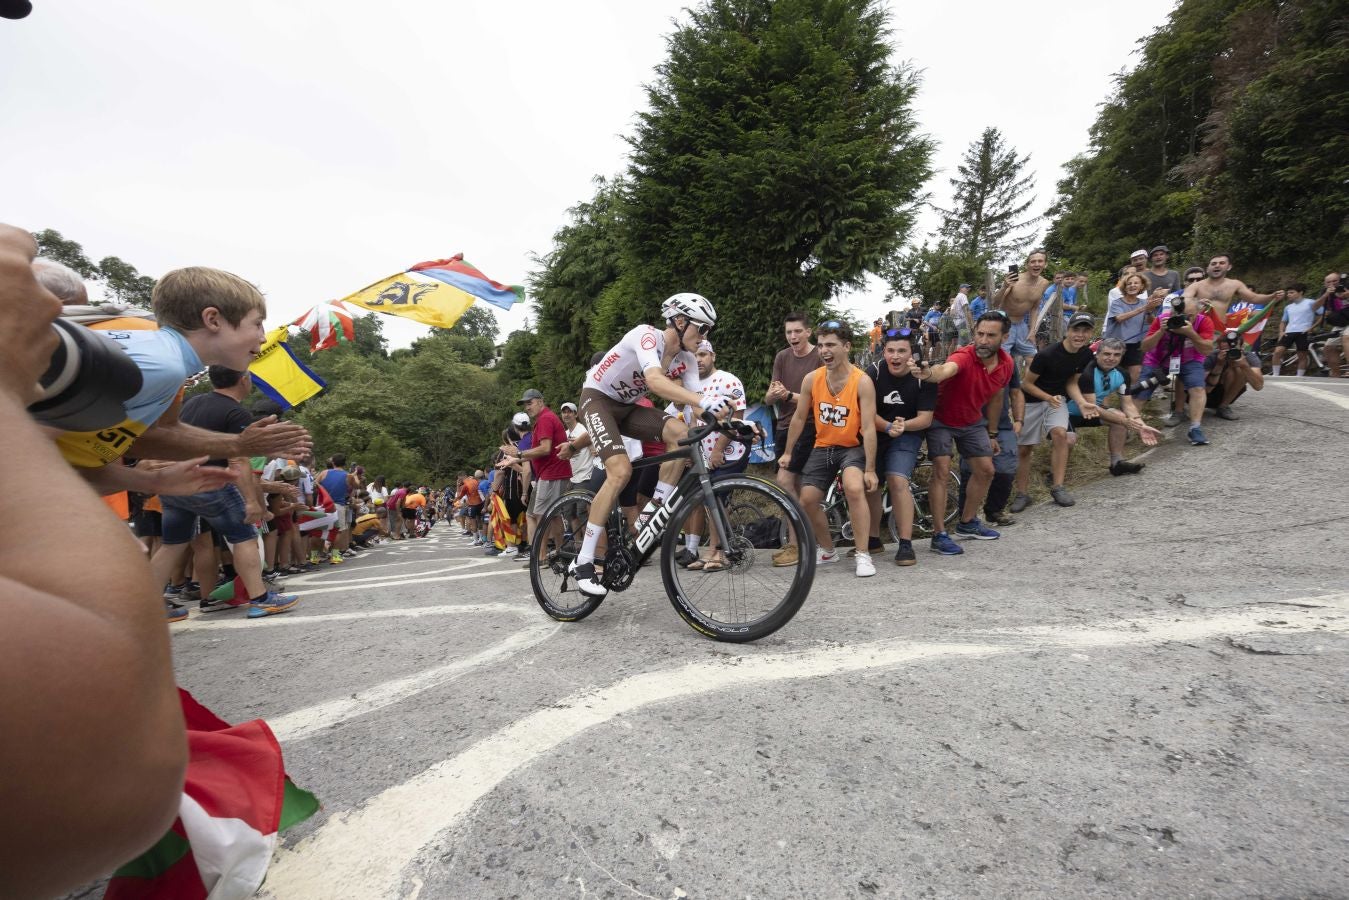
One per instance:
[(694, 307)]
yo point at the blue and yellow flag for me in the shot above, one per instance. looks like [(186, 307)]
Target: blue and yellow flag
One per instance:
[(435, 293), (278, 374)]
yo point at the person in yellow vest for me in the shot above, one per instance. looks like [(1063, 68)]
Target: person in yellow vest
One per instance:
[(843, 405)]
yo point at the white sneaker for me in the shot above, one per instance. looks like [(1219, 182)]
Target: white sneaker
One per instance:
[(864, 567), (509, 553), (824, 557)]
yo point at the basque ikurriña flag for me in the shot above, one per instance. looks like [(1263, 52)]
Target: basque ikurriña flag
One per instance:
[(328, 324), (236, 799), (278, 374), (435, 293)]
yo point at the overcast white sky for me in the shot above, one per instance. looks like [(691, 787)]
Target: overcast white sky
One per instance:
[(314, 147)]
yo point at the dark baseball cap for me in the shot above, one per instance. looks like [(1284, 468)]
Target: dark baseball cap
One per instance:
[(530, 394), (1162, 247), (1082, 319)]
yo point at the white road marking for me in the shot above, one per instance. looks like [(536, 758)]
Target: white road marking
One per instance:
[(403, 581), (466, 564), (366, 850), (213, 623), (1319, 393), (302, 723)]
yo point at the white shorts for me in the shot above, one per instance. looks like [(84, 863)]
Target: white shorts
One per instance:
[(1041, 418)]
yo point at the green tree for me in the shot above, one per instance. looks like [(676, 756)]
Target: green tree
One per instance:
[(476, 322), (1228, 135), (987, 220), (779, 161), (933, 273), (120, 280), (51, 244)]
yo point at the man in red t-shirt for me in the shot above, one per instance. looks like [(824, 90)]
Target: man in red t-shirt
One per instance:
[(971, 377), (552, 474)]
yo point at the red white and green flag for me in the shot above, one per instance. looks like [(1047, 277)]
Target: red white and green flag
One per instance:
[(235, 802), (328, 325)]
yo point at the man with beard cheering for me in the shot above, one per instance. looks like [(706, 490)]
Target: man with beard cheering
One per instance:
[(970, 378)]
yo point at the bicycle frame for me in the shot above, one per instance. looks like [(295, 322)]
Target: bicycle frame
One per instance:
[(648, 537)]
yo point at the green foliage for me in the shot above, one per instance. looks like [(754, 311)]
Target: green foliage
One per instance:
[(122, 283), (779, 161), (933, 273), (1227, 136), (987, 222)]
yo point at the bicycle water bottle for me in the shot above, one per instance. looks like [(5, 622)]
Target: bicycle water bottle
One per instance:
[(647, 512)]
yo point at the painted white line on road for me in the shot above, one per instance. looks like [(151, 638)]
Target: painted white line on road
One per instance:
[(213, 623), (402, 581), (467, 564), (304, 722), (366, 850), (1319, 393)]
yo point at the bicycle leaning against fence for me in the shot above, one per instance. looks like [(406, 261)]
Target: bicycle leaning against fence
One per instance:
[(744, 517)]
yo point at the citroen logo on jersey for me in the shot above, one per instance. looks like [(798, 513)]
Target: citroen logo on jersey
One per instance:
[(833, 415), (893, 399)]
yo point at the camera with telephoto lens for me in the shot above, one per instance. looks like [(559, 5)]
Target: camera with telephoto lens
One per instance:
[(1233, 338), (1177, 319), (87, 381), (1152, 382)]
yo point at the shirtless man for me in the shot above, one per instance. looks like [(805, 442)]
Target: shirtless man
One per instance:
[(1218, 291), (1020, 293)]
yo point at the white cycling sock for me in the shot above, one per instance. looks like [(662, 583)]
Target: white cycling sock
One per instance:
[(1275, 369), (691, 542), (662, 491), (589, 543), (1301, 372)]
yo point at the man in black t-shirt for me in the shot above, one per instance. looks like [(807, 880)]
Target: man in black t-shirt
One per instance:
[(903, 413), (1053, 373), (230, 511)]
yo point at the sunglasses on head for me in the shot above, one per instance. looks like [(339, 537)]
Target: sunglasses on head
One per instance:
[(899, 332), (832, 323)]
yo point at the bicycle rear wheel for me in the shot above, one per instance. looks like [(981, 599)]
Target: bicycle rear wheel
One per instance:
[(922, 510), (749, 598), (555, 544)]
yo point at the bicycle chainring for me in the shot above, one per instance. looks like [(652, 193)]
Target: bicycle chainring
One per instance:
[(619, 568)]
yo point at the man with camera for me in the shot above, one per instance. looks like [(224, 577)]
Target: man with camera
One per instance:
[(1103, 378), (1175, 346), (1231, 368), (1334, 305), (94, 748)]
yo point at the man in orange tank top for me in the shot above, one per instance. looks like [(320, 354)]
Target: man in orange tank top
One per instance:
[(840, 400)]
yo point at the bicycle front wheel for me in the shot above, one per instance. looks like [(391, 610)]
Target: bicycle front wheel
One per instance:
[(739, 594), (555, 544)]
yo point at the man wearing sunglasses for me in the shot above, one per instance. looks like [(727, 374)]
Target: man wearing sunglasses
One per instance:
[(969, 404), (646, 360), (903, 413)]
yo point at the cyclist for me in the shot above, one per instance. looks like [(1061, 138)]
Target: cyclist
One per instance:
[(646, 359)]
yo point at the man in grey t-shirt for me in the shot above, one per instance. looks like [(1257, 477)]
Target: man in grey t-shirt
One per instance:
[(1158, 275)]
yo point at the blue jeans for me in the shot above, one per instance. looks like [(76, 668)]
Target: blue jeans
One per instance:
[(223, 509)]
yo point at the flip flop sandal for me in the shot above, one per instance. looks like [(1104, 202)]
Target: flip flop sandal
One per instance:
[(697, 565), (713, 565)]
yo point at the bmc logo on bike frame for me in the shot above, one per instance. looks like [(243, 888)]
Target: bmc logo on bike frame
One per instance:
[(647, 538), (834, 415)]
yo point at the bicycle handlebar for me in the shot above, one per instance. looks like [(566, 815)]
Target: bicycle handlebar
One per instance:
[(736, 430)]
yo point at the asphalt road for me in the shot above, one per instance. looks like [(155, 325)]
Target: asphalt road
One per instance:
[(1143, 695)]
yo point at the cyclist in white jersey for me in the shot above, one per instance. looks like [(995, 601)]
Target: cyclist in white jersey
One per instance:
[(647, 359)]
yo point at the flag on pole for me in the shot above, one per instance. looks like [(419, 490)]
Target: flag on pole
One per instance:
[(236, 800), (328, 325), (435, 293), (278, 374)]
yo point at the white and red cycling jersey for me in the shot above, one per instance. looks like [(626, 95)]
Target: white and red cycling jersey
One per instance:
[(621, 374)]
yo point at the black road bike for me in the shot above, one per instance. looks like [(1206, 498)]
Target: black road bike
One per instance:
[(746, 518)]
